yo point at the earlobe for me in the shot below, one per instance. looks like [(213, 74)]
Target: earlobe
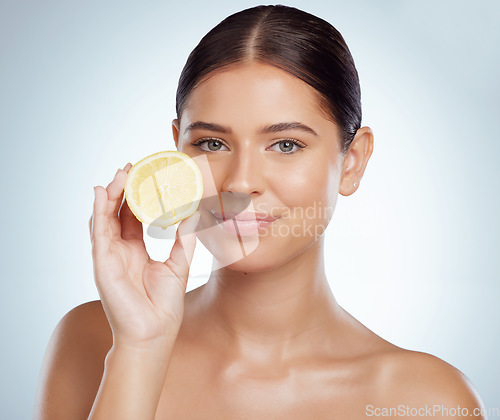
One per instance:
[(175, 132), (355, 161)]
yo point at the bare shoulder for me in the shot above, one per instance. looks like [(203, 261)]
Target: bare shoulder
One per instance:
[(82, 329), (417, 380), (73, 364)]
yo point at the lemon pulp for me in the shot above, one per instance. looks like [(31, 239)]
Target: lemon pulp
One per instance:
[(164, 188)]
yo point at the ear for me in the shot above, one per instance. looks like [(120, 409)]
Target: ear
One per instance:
[(355, 161), (175, 132)]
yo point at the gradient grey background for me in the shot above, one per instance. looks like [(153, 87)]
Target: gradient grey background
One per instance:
[(86, 86)]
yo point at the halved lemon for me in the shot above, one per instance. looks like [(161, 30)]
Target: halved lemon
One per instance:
[(164, 188)]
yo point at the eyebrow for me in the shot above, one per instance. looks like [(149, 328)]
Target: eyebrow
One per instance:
[(207, 126), (273, 128), (284, 126)]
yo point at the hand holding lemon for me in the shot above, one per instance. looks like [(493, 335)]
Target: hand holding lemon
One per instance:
[(144, 299)]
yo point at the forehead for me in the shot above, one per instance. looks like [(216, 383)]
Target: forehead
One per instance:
[(253, 94)]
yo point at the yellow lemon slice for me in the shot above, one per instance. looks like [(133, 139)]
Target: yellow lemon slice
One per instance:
[(164, 188)]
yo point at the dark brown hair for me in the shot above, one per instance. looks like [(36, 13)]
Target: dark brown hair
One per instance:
[(293, 40)]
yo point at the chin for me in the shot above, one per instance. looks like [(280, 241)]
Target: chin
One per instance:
[(252, 253), (265, 257), (253, 263)]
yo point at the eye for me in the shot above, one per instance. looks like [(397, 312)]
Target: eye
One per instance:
[(288, 146), (209, 145)]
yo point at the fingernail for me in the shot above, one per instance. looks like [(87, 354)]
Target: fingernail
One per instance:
[(127, 165)]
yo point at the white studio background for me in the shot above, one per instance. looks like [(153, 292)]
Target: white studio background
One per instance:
[(86, 86)]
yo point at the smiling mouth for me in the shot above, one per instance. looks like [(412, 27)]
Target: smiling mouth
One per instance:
[(245, 216), (245, 223)]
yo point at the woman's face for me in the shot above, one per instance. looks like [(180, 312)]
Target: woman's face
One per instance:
[(274, 164)]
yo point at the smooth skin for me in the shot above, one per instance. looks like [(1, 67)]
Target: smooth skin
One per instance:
[(265, 337)]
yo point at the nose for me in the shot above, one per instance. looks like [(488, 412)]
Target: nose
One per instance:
[(245, 172)]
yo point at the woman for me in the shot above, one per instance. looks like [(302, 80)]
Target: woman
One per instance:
[(271, 99)]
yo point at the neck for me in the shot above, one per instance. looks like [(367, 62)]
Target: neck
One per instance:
[(275, 309)]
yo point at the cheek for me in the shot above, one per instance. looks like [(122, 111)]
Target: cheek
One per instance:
[(309, 192), (314, 180)]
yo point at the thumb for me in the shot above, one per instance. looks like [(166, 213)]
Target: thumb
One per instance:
[(182, 252)]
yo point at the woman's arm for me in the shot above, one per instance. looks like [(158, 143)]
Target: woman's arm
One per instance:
[(132, 383), (143, 305), (73, 365), (83, 374)]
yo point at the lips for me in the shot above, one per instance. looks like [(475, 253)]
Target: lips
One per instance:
[(245, 216), (243, 224)]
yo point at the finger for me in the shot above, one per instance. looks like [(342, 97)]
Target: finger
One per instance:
[(114, 191), (182, 252), (115, 198), (131, 227), (126, 169), (100, 221)]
